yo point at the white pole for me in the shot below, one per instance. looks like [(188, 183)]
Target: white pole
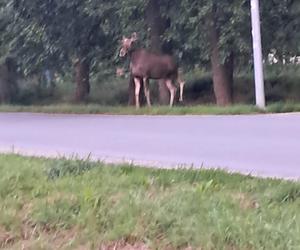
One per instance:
[(257, 52)]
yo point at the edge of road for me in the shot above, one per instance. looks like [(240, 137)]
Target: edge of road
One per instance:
[(132, 162)]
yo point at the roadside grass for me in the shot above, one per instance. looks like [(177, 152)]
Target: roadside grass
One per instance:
[(155, 110), (77, 204)]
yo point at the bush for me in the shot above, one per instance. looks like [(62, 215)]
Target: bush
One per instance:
[(64, 167), (282, 84)]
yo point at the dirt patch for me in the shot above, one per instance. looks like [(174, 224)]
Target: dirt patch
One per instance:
[(6, 238), (245, 201), (31, 236), (59, 196), (122, 245)]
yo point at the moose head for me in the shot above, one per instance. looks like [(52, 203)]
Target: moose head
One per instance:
[(126, 44)]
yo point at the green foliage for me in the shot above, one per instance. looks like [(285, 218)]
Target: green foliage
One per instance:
[(5, 19), (191, 26), (61, 168), (52, 33), (191, 23), (281, 26), (55, 33), (286, 194)]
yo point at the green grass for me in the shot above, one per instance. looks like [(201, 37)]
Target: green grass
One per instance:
[(63, 204), (155, 110)]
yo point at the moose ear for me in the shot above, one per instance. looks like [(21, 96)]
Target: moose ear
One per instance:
[(134, 36)]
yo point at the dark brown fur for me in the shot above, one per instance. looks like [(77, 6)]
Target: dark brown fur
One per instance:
[(145, 65)]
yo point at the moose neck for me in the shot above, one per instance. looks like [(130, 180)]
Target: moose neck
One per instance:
[(131, 51)]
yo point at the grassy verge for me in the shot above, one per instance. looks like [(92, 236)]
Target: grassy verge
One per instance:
[(62, 204), (155, 110)]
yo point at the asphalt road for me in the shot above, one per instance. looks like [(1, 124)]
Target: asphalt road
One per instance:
[(265, 145)]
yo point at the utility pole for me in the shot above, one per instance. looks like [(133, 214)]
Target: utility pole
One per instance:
[(257, 53)]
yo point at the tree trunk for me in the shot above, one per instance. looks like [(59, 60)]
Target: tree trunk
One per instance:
[(82, 79), (222, 72), (157, 26), (5, 95), (131, 95), (8, 81)]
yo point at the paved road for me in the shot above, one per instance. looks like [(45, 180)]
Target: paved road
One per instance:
[(265, 145)]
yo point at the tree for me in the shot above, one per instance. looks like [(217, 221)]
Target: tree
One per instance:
[(281, 27), (71, 31), (212, 30), (85, 34), (220, 31), (4, 20), (157, 25), (8, 86)]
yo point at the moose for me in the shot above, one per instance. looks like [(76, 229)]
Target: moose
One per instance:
[(145, 65)]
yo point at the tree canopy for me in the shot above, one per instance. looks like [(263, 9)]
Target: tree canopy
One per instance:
[(86, 33)]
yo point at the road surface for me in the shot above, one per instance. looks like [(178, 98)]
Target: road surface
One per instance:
[(264, 145)]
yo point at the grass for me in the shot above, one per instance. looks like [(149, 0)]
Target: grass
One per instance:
[(155, 110), (77, 204)]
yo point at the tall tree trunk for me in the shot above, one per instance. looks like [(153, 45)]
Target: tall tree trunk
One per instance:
[(157, 26), (131, 94), (5, 95), (82, 79), (222, 72), (8, 81)]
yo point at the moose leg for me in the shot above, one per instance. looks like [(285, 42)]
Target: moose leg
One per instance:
[(147, 91), (137, 83), (181, 85), (172, 90)]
